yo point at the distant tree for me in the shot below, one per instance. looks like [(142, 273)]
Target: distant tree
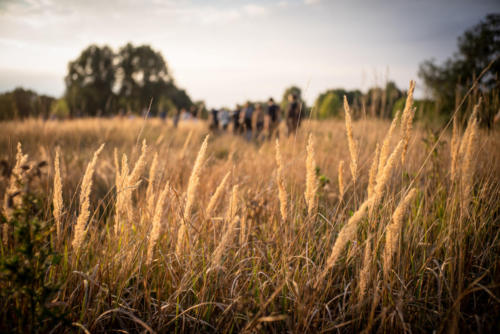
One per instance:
[(8, 108), (329, 103), (379, 101), (179, 97), (143, 77), (59, 109), (477, 47), (424, 108), (101, 82), (22, 103), (43, 105), (391, 94), (90, 81)]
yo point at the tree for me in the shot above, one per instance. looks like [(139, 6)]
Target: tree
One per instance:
[(477, 47), (8, 108), (90, 81), (59, 109), (179, 97), (143, 75), (22, 103), (329, 103), (101, 82), (380, 101)]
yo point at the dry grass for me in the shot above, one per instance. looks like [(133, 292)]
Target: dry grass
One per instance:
[(281, 252)]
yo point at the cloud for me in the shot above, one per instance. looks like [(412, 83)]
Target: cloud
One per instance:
[(312, 2), (211, 15), (255, 10), (40, 13), (219, 16)]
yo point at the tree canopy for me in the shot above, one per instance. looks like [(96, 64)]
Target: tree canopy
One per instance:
[(477, 48), (330, 103), (101, 82), (90, 81), (21, 103)]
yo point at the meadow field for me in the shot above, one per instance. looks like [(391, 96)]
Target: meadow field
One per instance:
[(349, 226)]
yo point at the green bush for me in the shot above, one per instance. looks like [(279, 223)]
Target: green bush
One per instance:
[(27, 273)]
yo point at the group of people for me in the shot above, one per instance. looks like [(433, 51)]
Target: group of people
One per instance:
[(257, 121)]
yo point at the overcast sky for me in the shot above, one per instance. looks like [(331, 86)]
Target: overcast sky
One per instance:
[(228, 51)]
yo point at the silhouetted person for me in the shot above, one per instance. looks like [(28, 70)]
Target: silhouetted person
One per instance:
[(163, 115), (236, 120), (247, 114), (257, 120), (292, 114), (194, 111), (214, 120), (224, 118), (177, 116), (272, 117)]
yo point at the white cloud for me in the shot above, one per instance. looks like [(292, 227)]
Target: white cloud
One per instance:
[(311, 2), (255, 10), (211, 15)]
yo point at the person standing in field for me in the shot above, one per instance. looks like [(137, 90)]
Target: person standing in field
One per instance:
[(292, 114), (257, 121), (177, 116), (224, 118), (272, 117), (213, 123), (247, 114), (194, 111), (236, 120)]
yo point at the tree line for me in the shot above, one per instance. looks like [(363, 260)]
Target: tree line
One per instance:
[(102, 82)]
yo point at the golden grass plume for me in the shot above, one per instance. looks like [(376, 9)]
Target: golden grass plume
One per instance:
[(312, 183), (83, 217), (353, 147), (394, 230)]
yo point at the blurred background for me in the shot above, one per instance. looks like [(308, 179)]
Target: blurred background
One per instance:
[(64, 59)]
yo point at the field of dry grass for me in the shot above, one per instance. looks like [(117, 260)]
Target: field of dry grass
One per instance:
[(168, 232)]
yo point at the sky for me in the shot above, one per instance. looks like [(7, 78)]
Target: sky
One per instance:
[(230, 51)]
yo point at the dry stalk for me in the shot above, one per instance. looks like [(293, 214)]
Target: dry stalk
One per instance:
[(407, 120), (232, 220), (346, 234), (311, 178), (150, 191), (157, 226), (394, 230), (194, 181), (83, 217), (57, 198), (353, 147), (373, 172), (280, 181), (216, 196)]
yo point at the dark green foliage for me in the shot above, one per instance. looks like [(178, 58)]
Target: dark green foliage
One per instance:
[(21, 103), (323, 179), (28, 286), (477, 47), (330, 103), (101, 82), (90, 81)]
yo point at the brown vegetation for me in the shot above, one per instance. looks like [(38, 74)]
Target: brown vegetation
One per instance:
[(400, 244)]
